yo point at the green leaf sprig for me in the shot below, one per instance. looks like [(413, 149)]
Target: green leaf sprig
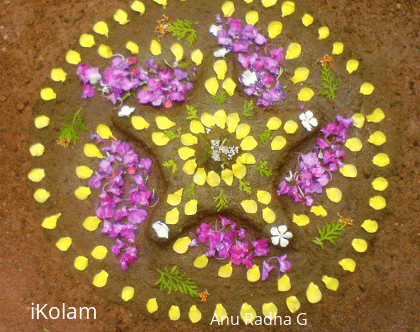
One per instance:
[(329, 82), (220, 98), (263, 169), (190, 190), (329, 232), (221, 200), (248, 107), (265, 136), (183, 29), (174, 281), (69, 129), (245, 186), (171, 164), (192, 113), (171, 135)]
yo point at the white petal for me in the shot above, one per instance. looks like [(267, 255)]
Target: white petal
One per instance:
[(161, 229), (214, 29), (309, 114), (302, 117), (126, 110), (221, 52), (307, 125), (282, 229), (288, 235), (284, 242), (275, 240), (313, 122), (274, 231)]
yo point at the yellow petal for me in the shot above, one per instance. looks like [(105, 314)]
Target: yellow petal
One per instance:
[(42, 121), (80, 263), (155, 47), (249, 206), (239, 170), (274, 29), (229, 86), (301, 219), (132, 47), (354, 144), (83, 172), (181, 245), (127, 293), (220, 67), (64, 243), (358, 120), (162, 2), (105, 51), (194, 314), (278, 143), (273, 123), (200, 177), (138, 6), (348, 264), (41, 195), (121, 17), (251, 17), (381, 160), (242, 130), (349, 171), (101, 28), (264, 197), (249, 143), (269, 310), (196, 127), (189, 167), (91, 151), (208, 120), (225, 271), (99, 252), (186, 153), (377, 138), (290, 127), (323, 32), (100, 279), (352, 66), (377, 116), (301, 74), (82, 192), (152, 305), (307, 20), (246, 159), (58, 75), (172, 216), (293, 304), (366, 89), (91, 223), (334, 194), (104, 132), (377, 202), (201, 262), (139, 123), (197, 57), (283, 284), (370, 226), (227, 176), (380, 184), (36, 150), (228, 8), (330, 283), (160, 138), (191, 207), (293, 51), (212, 85), (36, 175), (313, 294), (287, 8), (232, 122), (220, 312), (253, 274), (268, 3), (48, 94), (248, 1), (86, 40), (268, 215), (337, 48), (247, 313), (51, 221), (213, 179), (359, 245), (178, 51), (188, 139), (319, 211), (174, 312), (175, 198), (73, 57), (164, 123), (305, 94)]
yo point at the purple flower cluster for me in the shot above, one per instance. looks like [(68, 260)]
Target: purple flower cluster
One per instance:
[(316, 167), (260, 75), (155, 86), (123, 176), (284, 266)]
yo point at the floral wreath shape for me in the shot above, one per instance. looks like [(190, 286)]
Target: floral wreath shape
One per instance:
[(219, 147)]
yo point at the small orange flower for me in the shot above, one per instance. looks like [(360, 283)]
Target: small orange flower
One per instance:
[(63, 142), (345, 221), (326, 59), (162, 27), (204, 295)]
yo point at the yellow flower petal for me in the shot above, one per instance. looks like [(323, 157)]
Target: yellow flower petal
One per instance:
[(196, 127), (138, 6), (162, 2), (380, 184), (91, 223), (188, 139), (307, 20), (181, 245), (160, 138), (172, 217), (174, 312), (242, 130), (197, 57), (36, 150), (274, 29), (105, 51), (139, 123), (127, 293), (200, 177), (334, 194), (91, 150), (229, 86), (51, 221), (305, 94), (278, 143), (247, 313), (64, 243), (352, 66), (376, 116), (268, 215), (86, 40), (249, 143), (232, 122), (358, 120), (58, 75), (212, 85), (253, 274), (104, 132), (220, 67), (283, 283), (41, 195), (73, 57), (225, 271), (246, 159), (301, 219), (330, 283), (263, 197), (293, 304), (121, 17), (213, 179), (194, 314), (201, 262), (287, 8), (155, 47), (293, 51), (186, 153), (152, 305), (228, 8), (220, 118), (251, 17), (239, 170), (268, 3), (349, 171), (249, 206), (319, 211), (132, 47), (191, 207), (366, 89), (359, 245), (48, 94), (100, 279), (82, 192), (273, 123), (227, 176), (290, 127), (354, 144), (99, 252), (83, 172), (377, 202), (301, 75), (175, 198), (377, 138), (313, 294), (42, 121), (370, 226), (189, 167), (178, 51), (80, 263), (36, 175), (323, 32), (337, 48), (269, 310), (164, 123), (348, 264), (381, 160), (220, 312), (101, 28), (208, 120)]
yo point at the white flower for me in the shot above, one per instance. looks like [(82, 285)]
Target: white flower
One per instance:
[(221, 52), (308, 120), (214, 29), (280, 235), (161, 229), (248, 77), (126, 110)]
